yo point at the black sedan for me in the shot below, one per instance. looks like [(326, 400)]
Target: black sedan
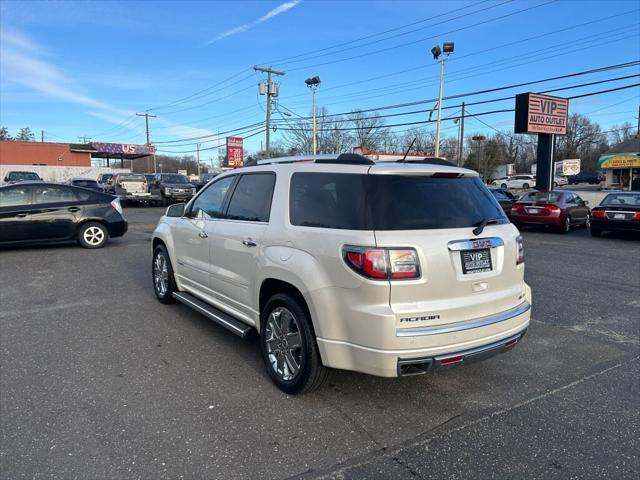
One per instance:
[(505, 198), (36, 213), (616, 211)]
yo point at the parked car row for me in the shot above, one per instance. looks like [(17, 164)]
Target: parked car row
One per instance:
[(525, 182), (565, 210)]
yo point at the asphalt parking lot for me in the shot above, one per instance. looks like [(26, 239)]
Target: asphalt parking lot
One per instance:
[(99, 380)]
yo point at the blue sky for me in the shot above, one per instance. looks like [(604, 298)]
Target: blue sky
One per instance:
[(84, 68)]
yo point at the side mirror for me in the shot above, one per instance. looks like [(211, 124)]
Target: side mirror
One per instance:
[(6, 179), (176, 210)]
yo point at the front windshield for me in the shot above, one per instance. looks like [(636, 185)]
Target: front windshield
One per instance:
[(174, 178), (632, 199)]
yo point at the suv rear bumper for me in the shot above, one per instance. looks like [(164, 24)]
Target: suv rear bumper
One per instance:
[(490, 338)]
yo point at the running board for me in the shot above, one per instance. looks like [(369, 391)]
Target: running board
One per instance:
[(236, 326)]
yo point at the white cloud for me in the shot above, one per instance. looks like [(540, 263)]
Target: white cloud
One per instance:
[(21, 63), (283, 7)]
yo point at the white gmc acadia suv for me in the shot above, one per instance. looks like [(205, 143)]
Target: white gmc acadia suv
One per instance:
[(389, 269)]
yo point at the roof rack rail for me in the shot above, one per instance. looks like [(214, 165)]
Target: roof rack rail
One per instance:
[(343, 159), (431, 161)]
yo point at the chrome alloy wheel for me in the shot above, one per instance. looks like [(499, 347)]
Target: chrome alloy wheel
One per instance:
[(160, 274), (284, 343), (93, 236)]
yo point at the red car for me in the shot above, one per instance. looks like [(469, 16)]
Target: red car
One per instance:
[(558, 208)]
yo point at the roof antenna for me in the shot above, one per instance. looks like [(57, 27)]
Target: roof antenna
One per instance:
[(408, 149)]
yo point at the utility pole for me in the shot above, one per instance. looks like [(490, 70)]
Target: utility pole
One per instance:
[(198, 159), (271, 90), (480, 155), (461, 146), (638, 131), (41, 136), (146, 125)]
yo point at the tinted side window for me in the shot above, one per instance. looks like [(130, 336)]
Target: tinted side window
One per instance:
[(251, 200), (10, 197), (52, 194), (210, 202), (328, 200)]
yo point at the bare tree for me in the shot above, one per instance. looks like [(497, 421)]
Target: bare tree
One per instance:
[(368, 129), (621, 133), (584, 140)]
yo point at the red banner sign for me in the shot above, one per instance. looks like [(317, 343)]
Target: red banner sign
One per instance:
[(235, 152)]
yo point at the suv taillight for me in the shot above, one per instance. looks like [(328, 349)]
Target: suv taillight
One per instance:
[(636, 216), (598, 214), (519, 250), (382, 263)]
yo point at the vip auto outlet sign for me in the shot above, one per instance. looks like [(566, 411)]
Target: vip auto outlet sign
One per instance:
[(536, 113), (234, 152)]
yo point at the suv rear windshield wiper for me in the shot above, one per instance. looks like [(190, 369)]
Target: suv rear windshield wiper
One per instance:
[(483, 223)]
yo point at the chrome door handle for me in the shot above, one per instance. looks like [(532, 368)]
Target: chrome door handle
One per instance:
[(249, 243), (203, 235), (73, 209)]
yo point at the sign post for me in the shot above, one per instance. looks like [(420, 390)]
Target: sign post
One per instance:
[(547, 116), (235, 152)]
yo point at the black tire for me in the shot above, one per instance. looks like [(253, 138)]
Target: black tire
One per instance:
[(93, 235), (595, 231), (566, 228), (163, 295), (504, 185), (311, 374), (587, 222), (165, 201), (525, 186), (555, 184)]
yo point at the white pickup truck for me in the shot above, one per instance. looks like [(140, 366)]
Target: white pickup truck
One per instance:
[(131, 187)]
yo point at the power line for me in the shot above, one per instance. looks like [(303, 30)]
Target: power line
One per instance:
[(209, 148), (459, 57), (462, 95), (624, 87), (208, 89), (350, 42), (405, 33), (495, 89), (366, 54), (480, 102), (482, 69)]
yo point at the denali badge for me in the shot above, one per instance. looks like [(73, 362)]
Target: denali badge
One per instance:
[(420, 319)]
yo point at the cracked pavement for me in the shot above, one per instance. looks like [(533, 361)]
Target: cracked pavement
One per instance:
[(99, 380)]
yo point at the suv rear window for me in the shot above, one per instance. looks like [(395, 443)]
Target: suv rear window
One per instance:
[(389, 202)]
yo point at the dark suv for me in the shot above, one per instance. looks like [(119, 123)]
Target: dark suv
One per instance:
[(170, 188), (592, 178)]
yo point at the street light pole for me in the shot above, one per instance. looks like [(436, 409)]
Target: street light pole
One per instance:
[(313, 84), (439, 107), (447, 48)]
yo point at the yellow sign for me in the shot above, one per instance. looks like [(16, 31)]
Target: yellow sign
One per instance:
[(621, 161)]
